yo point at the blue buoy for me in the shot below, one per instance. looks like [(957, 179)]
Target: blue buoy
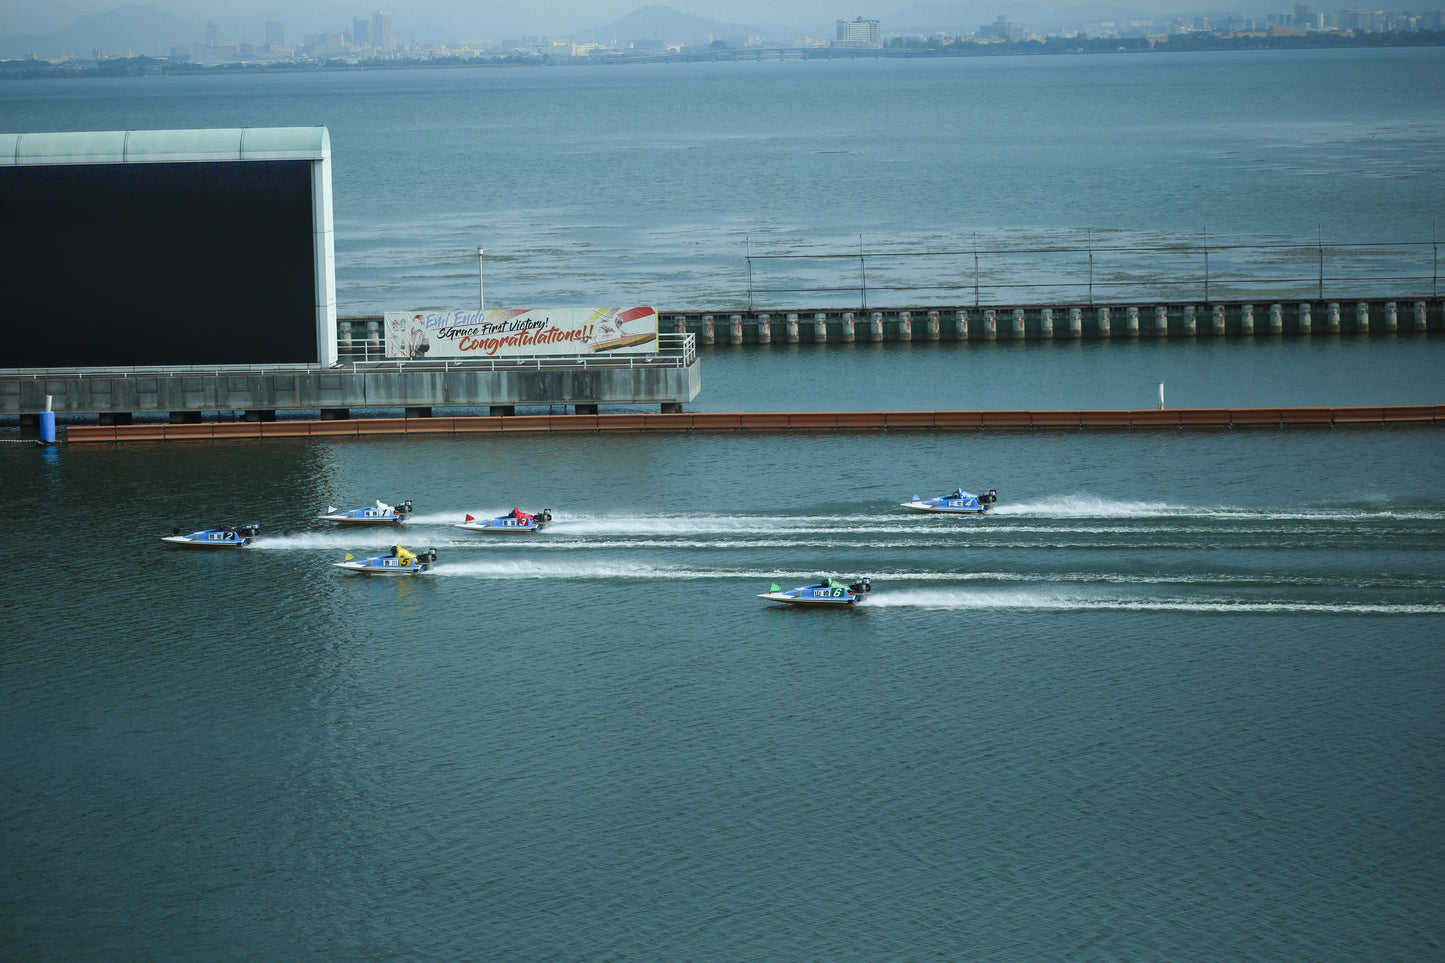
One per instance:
[(47, 423)]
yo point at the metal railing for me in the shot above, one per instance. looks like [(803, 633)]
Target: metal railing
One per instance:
[(1185, 270)]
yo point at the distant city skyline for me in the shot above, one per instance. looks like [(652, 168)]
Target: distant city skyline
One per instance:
[(492, 17)]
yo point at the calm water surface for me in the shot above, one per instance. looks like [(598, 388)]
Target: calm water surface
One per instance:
[(1177, 698)]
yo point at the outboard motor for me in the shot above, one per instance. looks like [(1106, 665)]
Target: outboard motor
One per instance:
[(403, 509), (175, 531), (544, 516), (861, 587), (988, 499), (249, 532), (429, 556)]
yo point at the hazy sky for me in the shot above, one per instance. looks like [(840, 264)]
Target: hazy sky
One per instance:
[(510, 16)]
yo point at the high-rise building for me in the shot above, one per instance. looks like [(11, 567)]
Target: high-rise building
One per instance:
[(275, 33), (213, 34), (857, 33), (360, 31), (381, 31)]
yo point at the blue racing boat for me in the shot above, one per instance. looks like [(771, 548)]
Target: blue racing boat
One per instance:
[(398, 562), (515, 522), (959, 502), (382, 514), (225, 537), (827, 591)]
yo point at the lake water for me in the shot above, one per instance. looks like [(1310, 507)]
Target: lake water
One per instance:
[(1178, 697)]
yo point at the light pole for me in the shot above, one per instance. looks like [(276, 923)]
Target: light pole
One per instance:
[(1161, 395), (481, 289)]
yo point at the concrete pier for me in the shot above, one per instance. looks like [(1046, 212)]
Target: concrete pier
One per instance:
[(820, 328)]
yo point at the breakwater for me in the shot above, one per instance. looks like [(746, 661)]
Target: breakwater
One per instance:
[(1157, 418), (1042, 322)]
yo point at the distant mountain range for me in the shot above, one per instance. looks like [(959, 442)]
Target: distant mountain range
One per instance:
[(144, 30)]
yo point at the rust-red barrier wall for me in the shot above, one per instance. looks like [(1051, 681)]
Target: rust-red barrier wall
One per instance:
[(777, 421)]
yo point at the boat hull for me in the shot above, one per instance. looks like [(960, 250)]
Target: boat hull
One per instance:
[(186, 541), (788, 599), (487, 528), (361, 568), (932, 509), (350, 520)]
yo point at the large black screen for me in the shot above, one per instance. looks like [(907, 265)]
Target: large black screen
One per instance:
[(110, 265)]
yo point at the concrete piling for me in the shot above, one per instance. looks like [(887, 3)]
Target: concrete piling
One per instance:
[(709, 333), (790, 329), (1276, 319), (990, 325), (1102, 320), (1191, 322), (850, 332), (1046, 323), (820, 328), (1246, 319), (1216, 326), (1131, 322), (875, 326), (735, 329), (905, 326), (1421, 317), (1076, 322), (1362, 317), (1018, 324), (1332, 318), (930, 326), (1305, 319), (1392, 317), (1161, 322), (960, 331)]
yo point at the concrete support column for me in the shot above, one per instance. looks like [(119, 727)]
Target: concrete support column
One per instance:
[(1161, 321), (1332, 317), (1131, 322), (905, 326), (820, 328), (1019, 328), (1046, 323), (1276, 319), (960, 330), (343, 335), (930, 327), (373, 332), (875, 326), (680, 325), (1076, 322), (1422, 316), (850, 329), (1362, 317), (1392, 317), (990, 326), (735, 329), (765, 329), (1306, 322), (709, 333), (1191, 322), (1216, 325), (1246, 319), (790, 330), (1101, 321)]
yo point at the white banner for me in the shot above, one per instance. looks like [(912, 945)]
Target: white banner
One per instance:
[(503, 334)]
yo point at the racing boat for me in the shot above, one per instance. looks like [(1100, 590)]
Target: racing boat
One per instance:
[(514, 522), (382, 514), (959, 502), (225, 537), (827, 591), (398, 562)]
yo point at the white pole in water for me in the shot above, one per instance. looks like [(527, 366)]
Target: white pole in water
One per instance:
[(481, 289), (1161, 395)]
